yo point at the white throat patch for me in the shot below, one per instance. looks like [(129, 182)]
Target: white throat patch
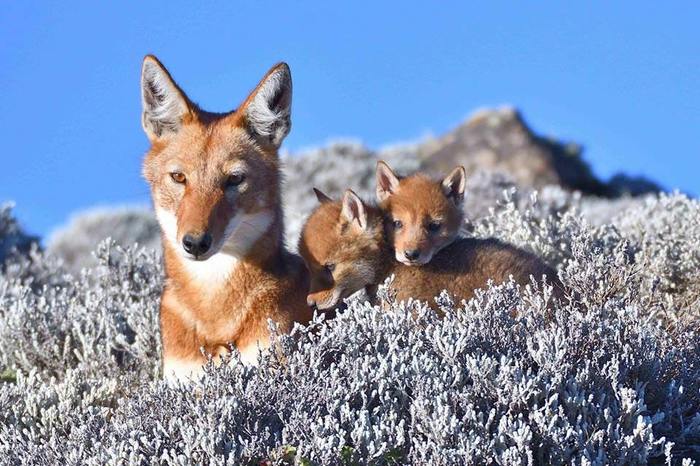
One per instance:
[(241, 233)]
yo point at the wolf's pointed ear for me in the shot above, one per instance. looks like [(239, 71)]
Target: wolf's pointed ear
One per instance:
[(164, 105), (322, 198), (267, 110), (454, 184), (387, 181), (354, 209)]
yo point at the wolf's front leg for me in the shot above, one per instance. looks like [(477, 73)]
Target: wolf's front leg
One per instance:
[(182, 357)]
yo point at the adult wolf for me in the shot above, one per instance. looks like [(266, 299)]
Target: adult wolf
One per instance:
[(215, 183)]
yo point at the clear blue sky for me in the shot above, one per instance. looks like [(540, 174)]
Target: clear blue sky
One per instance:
[(622, 78)]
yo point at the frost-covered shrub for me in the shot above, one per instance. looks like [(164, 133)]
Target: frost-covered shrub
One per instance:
[(105, 318), (601, 211), (656, 241), (126, 226), (477, 387), (665, 232), (540, 227), (608, 375)]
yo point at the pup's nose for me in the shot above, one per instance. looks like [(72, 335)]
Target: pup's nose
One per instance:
[(196, 244), (411, 254)]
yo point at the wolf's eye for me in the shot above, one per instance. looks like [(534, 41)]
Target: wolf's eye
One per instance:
[(178, 177), (398, 224), (434, 226), (235, 180), (330, 267)]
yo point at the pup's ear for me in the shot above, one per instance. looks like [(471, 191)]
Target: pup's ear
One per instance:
[(454, 184), (387, 181), (354, 209), (165, 106), (267, 110), (322, 198)]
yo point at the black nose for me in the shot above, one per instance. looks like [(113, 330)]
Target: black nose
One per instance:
[(311, 303), (196, 244), (411, 254)]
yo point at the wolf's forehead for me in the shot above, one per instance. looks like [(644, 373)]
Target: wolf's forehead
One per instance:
[(420, 197), (226, 142), (207, 148), (321, 239)]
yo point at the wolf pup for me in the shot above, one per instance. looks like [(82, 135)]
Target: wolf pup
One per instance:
[(215, 183), (423, 215), (345, 248)]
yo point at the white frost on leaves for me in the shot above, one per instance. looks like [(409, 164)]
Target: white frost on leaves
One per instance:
[(610, 376)]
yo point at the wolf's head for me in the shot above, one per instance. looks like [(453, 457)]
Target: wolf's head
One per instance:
[(214, 177), (342, 244), (423, 215)]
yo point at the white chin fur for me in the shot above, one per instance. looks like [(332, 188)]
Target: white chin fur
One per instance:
[(241, 233), (331, 302), (404, 261)]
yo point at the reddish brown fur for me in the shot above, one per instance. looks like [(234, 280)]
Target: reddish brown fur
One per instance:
[(460, 268), (234, 312), (267, 282), (414, 205), (328, 238), (466, 265)]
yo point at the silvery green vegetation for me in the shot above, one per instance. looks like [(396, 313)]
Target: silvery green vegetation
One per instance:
[(610, 375)]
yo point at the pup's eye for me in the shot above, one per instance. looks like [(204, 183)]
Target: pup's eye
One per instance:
[(434, 226), (398, 224), (330, 267), (235, 179), (178, 177)]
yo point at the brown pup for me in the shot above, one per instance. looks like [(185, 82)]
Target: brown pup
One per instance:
[(215, 184), (345, 248), (423, 215)]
